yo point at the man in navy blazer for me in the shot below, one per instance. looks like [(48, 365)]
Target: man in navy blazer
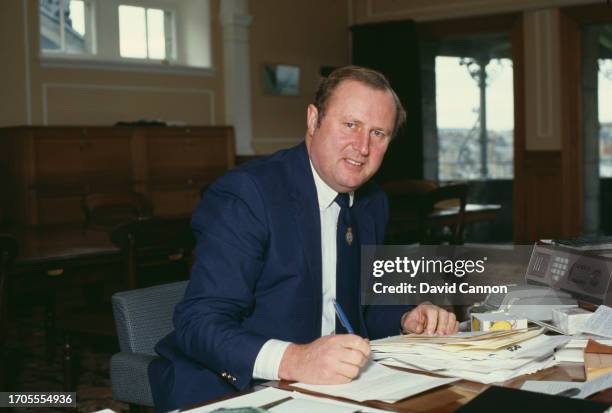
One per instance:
[(259, 303)]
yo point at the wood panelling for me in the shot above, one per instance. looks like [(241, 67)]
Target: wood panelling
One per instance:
[(51, 168), (501, 23), (572, 166), (548, 184), (540, 210)]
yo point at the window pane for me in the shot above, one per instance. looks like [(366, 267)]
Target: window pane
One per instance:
[(74, 17), (49, 13), (500, 118), (77, 16), (604, 95), (132, 32), (474, 106), (156, 34)]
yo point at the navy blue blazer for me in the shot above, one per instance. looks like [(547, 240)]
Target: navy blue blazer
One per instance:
[(257, 276)]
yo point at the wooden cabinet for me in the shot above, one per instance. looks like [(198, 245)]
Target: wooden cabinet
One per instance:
[(45, 171)]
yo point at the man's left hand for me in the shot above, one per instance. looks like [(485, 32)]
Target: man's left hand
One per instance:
[(430, 319)]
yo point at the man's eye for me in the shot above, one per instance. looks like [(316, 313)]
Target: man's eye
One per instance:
[(350, 125), (378, 133)]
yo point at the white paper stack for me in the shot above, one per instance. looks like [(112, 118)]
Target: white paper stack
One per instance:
[(486, 357), (573, 350)]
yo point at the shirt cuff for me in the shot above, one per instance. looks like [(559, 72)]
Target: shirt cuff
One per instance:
[(268, 359)]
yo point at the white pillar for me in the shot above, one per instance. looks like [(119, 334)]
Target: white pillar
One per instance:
[(235, 20), (542, 80)]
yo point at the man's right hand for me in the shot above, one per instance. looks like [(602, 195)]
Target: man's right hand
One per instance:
[(327, 360)]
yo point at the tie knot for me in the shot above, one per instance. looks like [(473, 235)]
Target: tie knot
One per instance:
[(343, 201)]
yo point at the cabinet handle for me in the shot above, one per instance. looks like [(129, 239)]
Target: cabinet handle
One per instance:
[(55, 272), (175, 257)]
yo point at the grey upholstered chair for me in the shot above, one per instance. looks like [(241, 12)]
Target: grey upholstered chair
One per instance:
[(143, 317)]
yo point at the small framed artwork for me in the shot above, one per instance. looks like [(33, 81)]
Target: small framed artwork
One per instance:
[(281, 80)]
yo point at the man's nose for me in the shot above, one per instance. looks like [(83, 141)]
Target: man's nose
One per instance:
[(362, 142)]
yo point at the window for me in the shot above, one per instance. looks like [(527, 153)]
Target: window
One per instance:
[(475, 117), (604, 94), (158, 35), (66, 26), (146, 33), (468, 107), (596, 70)]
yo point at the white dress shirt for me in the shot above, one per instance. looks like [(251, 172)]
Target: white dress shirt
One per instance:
[(268, 360)]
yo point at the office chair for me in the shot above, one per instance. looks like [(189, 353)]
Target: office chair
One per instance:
[(142, 317), (154, 251)]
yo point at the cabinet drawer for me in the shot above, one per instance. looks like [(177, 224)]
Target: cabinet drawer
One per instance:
[(166, 154), (59, 209), (59, 157)]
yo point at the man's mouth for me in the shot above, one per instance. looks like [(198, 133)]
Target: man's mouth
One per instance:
[(353, 162)]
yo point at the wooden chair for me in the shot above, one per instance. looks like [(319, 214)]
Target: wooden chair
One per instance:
[(155, 248), (155, 251), (107, 210), (8, 251), (404, 198), (431, 234)]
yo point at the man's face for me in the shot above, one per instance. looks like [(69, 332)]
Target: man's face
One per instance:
[(350, 142)]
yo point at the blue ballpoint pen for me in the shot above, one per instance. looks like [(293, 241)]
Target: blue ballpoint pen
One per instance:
[(343, 318)]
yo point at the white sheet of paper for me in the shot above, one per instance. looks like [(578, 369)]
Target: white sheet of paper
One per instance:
[(255, 399), (549, 387), (355, 407), (309, 406), (377, 382), (596, 385), (587, 388), (600, 323)]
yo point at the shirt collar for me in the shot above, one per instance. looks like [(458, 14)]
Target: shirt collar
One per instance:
[(326, 194)]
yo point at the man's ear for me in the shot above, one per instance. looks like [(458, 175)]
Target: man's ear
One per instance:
[(312, 117)]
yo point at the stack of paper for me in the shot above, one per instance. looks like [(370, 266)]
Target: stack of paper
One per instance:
[(598, 327), (587, 388), (600, 323), (573, 350), (486, 357)]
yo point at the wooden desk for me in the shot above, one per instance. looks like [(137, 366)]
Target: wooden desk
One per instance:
[(54, 265), (50, 249), (448, 398)]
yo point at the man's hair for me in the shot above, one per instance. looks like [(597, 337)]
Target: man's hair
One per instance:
[(369, 77)]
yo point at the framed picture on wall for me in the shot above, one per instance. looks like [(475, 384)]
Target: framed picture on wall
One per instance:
[(281, 80)]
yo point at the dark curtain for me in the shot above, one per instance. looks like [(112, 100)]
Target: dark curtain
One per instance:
[(392, 48)]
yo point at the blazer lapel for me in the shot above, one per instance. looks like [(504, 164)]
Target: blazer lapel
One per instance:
[(308, 221)]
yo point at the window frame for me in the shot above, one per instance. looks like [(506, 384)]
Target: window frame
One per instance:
[(507, 24), (107, 51), (89, 7), (173, 33)]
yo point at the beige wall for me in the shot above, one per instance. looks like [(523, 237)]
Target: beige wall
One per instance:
[(308, 34), (13, 64), (73, 96)]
